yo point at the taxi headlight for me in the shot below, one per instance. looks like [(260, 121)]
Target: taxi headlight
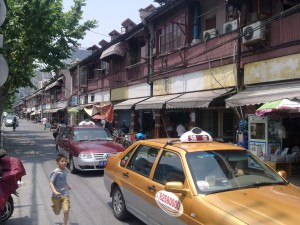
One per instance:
[(85, 156)]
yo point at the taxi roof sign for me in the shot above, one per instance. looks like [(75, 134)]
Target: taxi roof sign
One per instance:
[(196, 135)]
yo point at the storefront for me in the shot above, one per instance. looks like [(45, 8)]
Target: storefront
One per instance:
[(274, 137), (265, 135)]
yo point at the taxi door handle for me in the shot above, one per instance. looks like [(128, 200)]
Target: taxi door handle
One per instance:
[(151, 188), (125, 175)]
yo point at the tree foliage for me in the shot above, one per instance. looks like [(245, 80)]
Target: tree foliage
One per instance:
[(38, 33)]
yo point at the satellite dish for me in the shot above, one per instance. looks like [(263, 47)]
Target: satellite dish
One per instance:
[(3, 70), (2, 12)]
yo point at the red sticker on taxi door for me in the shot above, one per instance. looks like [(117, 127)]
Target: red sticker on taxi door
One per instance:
[(169, 203)]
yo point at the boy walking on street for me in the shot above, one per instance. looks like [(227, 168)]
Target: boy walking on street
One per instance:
[(60, 188)]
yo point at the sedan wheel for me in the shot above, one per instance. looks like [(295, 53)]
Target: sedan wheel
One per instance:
[(119, 207), (72, 165)]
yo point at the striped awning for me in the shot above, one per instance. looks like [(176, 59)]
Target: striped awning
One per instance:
[(258, 94), (199, 99), (155, 102), (128, 103)]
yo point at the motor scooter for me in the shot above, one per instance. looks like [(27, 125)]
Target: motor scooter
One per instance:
[(11, 173)]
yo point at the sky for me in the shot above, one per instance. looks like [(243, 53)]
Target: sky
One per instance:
[(109, 14)]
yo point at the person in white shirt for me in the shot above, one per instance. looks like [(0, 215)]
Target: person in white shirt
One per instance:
[(180, 129), (44, 122)]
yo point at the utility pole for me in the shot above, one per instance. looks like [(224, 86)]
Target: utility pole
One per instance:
[(78, 84), (3, 63)]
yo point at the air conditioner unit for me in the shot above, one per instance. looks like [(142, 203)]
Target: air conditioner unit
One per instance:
[(253, 33), (209, 34), (230, 26), (154, 51)]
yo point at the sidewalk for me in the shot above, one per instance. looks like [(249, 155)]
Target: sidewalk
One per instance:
[(1, 138)]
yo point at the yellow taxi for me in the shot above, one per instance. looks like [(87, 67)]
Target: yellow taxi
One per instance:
[(195, 180)]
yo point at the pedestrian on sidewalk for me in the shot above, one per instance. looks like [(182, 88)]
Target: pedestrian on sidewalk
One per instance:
[(180, 129), (60, 188), (44, 121)]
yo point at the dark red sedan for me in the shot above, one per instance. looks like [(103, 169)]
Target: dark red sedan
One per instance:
[(87, 147)]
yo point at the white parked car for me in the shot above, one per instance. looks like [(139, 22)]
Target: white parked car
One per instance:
[(9, 120)]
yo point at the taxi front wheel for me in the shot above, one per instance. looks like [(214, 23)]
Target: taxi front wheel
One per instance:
[(119, 207)]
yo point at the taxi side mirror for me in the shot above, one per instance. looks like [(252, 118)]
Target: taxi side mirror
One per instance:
[(282, 173), (176, 187)]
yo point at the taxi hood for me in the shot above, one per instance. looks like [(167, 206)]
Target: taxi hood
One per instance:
[(98, 146), (276, 204)]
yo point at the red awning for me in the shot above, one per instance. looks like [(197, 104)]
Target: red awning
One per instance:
[(98, 117)]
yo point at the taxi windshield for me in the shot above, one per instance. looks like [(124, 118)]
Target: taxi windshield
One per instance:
[(225, 170)]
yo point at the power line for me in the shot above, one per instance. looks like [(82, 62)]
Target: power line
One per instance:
[(98, 33)]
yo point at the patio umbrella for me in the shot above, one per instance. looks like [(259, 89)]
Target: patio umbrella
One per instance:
[(73, 110), (98, 117), (278, 106)]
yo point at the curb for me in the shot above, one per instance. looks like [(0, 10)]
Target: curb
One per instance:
[(2, 151)]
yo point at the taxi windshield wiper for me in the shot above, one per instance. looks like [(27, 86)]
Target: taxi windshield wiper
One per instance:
[(259, 184), (223, 190)]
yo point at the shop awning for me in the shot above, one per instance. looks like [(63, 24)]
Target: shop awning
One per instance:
[(115, 49), (52, 85), (258, 94), (73, 110), (80, 107), (38, 93), (90, 110), (128, 103), (199, 99), (155, 102), (53, 110)]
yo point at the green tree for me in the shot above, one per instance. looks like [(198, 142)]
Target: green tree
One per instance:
[(38, 35)]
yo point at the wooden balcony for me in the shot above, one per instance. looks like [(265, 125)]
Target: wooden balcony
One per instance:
[(136, 71), (282, 38), (98, 84), (60, 96), (285, 30), (129, 74), (203, 53)]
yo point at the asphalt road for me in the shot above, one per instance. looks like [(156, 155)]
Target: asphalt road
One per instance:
[(90, 202)]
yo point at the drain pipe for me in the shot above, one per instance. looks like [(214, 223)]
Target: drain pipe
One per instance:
[(149, 76), (197, 28)]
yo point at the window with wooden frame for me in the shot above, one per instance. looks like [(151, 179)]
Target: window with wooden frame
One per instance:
[(116, 65), (289, 3), (210, 23), (92, 97), (169, 36), (258, 9)]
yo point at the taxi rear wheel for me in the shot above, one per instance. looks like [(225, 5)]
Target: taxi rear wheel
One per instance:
[(119, 207)]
